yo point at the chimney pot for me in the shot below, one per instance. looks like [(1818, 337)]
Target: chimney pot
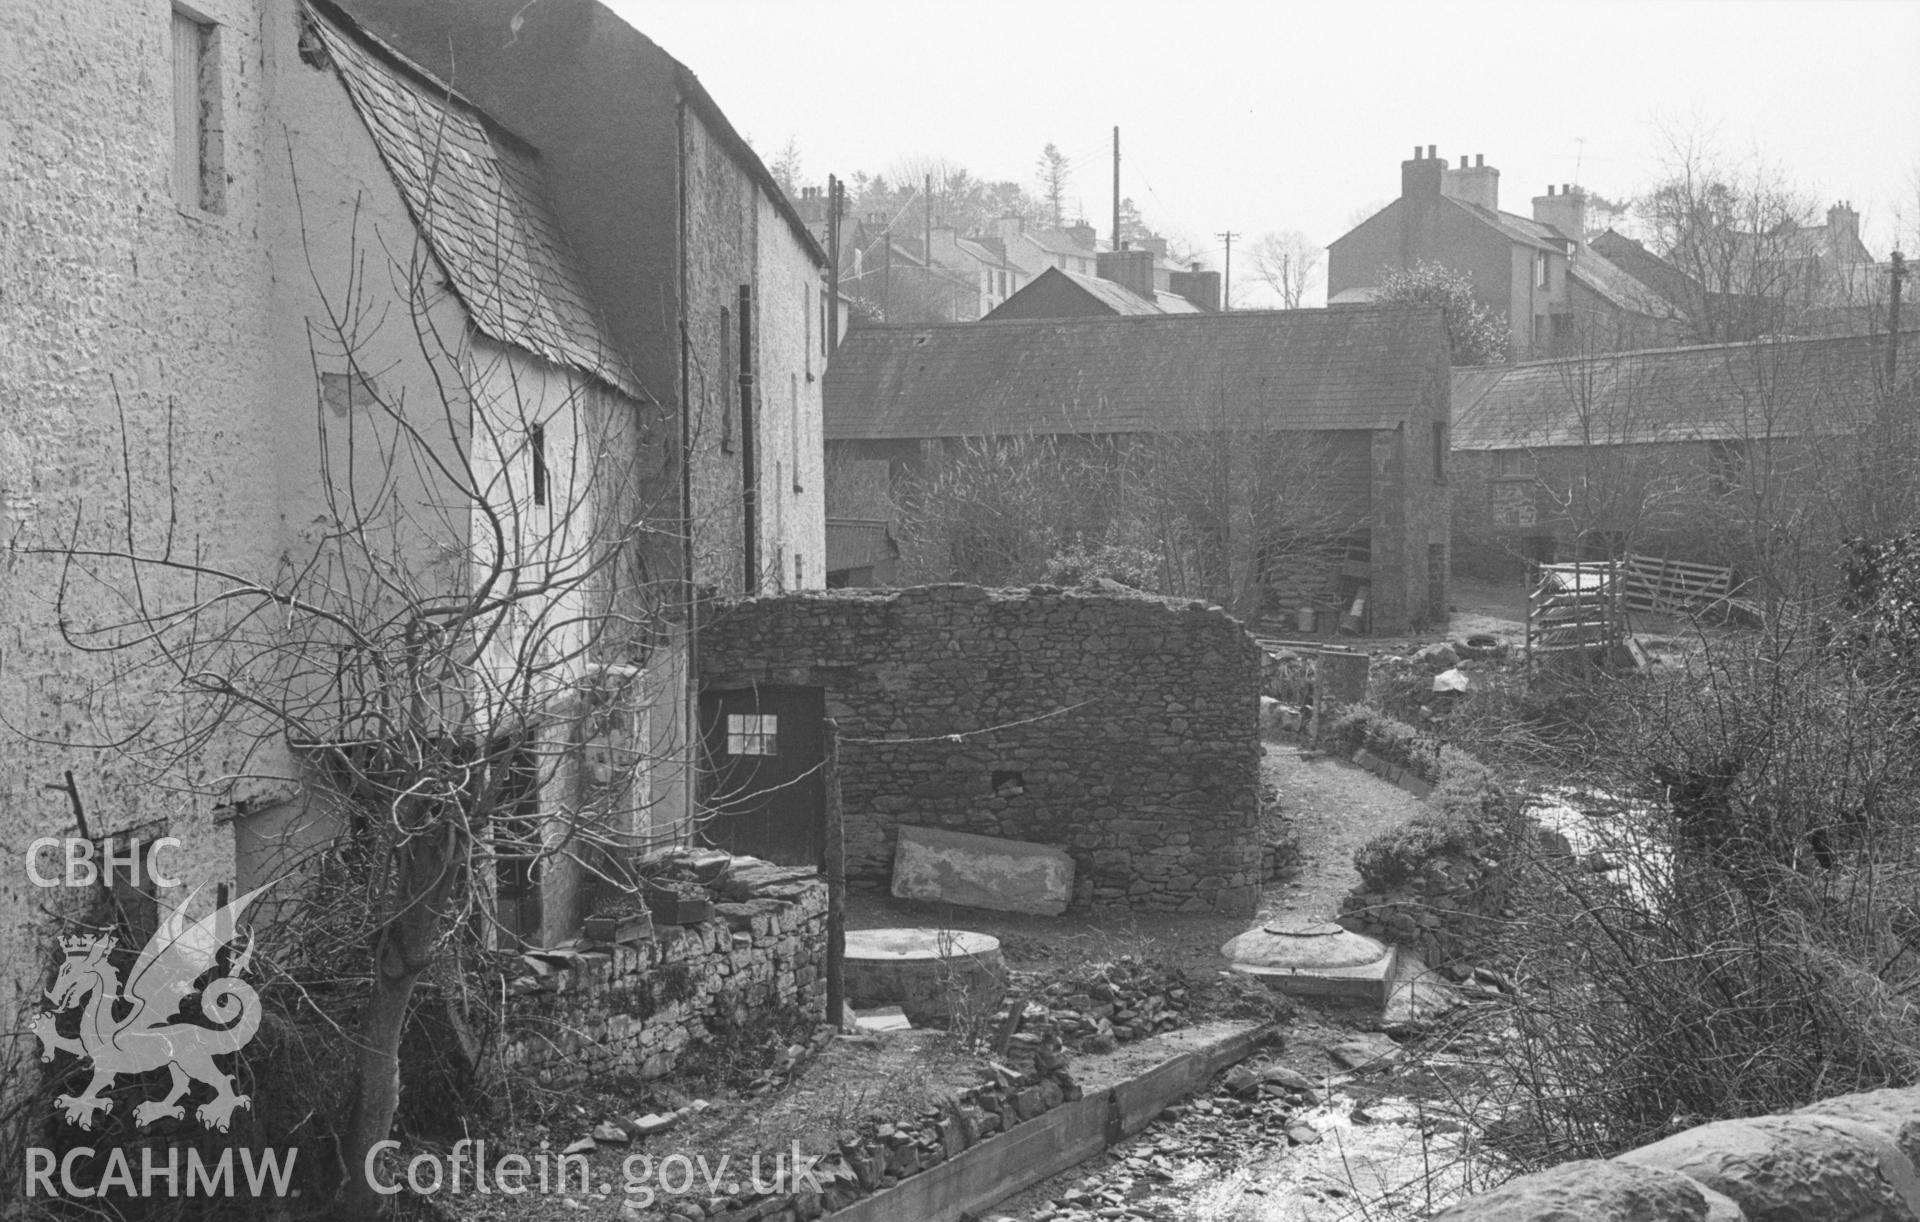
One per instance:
[(1416, 152), (1549, 188), (1433, 153), (1463, 161), (1566, 188), (1479, 159)]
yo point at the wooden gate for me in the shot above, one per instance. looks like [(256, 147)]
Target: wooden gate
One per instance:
[(762, 786)]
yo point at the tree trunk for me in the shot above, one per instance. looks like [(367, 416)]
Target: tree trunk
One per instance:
[(402, 953)]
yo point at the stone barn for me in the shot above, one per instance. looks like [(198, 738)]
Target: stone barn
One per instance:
[(1121, 728)]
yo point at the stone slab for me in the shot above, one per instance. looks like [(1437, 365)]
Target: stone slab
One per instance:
[(981, 871)]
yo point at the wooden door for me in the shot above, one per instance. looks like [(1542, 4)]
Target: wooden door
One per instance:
[(762, 785)]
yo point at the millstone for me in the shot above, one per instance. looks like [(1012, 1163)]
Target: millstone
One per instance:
[(1312, 958), (932, 974)]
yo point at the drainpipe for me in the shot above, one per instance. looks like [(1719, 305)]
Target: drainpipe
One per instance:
[(749, 473), (689, 588)]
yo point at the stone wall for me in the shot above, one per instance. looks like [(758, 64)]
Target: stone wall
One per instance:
[(1851, 1156), (637, 1008), (1121, 728)]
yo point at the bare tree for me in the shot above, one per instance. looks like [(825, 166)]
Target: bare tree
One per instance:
[(1285, 261), (1750, 246)]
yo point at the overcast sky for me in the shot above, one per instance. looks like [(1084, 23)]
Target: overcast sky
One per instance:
[(1257, 117)]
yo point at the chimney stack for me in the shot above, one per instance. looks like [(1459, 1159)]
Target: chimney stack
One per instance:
[(1202, 288), (1566, 211), (1422, 177), (1476, 184), (1129, 268)]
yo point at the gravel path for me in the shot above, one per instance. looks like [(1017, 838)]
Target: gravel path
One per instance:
[(1334, 808)]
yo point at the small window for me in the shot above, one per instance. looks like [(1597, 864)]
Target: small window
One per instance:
[(806, 314), (198, 181), (753, 734), (537, 443), (1512, 464), (1439, 452), (799, 571), (1541, 275)]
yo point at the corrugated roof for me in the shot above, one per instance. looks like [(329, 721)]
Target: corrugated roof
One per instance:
[(1352, 368), (1716, 392), (478, 197)]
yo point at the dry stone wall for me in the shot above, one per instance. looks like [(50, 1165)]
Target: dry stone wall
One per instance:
[(1121, 728), (637, 1008)]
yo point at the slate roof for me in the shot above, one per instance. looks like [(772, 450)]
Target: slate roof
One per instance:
[(1714, 392), (1616, 286), (478, 196), (1516, 227), (1356, 368), (1114, 297), (1664, 279), (1057, 241), (984, 253)]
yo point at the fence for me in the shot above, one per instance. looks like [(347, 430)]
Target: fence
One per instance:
[(1577, 606), (1673, 587)]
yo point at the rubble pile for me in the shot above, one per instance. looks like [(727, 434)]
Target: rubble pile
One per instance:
[(1254, 1109), (1123, 1001)]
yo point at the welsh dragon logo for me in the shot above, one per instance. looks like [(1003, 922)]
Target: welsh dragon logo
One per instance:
[(143, 1037)]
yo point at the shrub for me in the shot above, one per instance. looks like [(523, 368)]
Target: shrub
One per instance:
[(1762, 953), (1469, 815), (1361, 728)]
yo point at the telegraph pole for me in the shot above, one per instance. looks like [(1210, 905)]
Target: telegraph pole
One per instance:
[(1226, 288), (1116, 188), (1898, 274)]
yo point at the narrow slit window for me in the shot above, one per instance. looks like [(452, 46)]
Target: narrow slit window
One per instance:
[(793, 448), (197, 178), (806, 315), (753, 733), (538, 444)]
